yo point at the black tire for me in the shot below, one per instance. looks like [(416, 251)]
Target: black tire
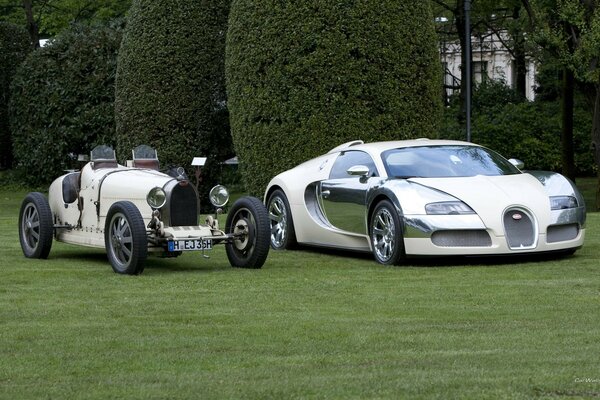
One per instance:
[(248, 216), (125, 238), (281, 223), (385, 232), (35, 226)]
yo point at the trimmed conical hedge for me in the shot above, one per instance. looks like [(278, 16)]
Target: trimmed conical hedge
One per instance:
[(170, 88), (306, 76)]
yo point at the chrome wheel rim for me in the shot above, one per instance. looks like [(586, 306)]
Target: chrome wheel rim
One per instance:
[(278, 219), (121, 240), (243, 229), (383, 235), (30, 226)]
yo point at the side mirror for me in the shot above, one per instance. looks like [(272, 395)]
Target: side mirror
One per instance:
[(358, 170), (517, 163)]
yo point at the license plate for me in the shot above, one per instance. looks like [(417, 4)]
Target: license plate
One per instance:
[(190, 245)]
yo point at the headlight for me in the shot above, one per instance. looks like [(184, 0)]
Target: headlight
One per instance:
[(448, 208), (156, 198), (219, 196), (562, 202)]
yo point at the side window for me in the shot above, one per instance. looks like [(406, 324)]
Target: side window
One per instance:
[(348, 159)]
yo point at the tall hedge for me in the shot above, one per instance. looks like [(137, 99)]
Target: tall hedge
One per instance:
[(170, 90), (306, 76), (14, 47), (62, 100)]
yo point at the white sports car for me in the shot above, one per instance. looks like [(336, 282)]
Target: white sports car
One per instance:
[(136, 210), (421, 198)]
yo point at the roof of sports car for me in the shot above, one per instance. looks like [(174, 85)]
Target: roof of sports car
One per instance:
[(377, 147)]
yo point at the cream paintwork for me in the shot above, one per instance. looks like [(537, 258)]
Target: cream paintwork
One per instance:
[(522, 190)]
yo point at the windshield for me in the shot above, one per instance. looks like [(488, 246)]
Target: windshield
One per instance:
[(445, 161)]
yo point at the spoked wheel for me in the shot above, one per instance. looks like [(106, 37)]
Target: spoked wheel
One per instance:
[(125, 238), (281, 223), (35, 226), (248, 221), (386, 234)]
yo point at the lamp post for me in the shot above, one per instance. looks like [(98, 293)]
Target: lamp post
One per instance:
[(467, 54)]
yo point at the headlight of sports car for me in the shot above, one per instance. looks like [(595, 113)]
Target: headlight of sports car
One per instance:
[(448, 208), (219, 196), (562, 202), (156, 198)]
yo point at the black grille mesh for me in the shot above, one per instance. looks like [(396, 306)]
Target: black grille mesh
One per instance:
[(520, 229), (183, 206)]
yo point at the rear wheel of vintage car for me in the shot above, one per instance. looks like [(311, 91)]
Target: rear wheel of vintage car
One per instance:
[(125, 238), (249, 221), (35, 226), (282, 235), (386, 234)]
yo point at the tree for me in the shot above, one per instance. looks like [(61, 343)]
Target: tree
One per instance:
[(303, 77), (14, 46), (170, 90), (62, 100)]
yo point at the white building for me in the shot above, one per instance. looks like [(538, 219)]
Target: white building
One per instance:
[(491, 60)]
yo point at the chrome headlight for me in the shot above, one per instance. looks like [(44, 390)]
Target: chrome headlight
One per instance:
[(448, 208), (156, 198), (219, 196), (562, 202)]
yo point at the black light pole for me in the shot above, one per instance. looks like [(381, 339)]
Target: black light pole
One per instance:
[(467, 54)]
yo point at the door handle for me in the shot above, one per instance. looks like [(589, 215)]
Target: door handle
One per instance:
[(325, 193)]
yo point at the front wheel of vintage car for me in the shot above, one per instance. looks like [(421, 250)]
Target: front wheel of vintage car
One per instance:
[(125, 238), (386, 234), (282, 234), (248, 221), (35, 226)]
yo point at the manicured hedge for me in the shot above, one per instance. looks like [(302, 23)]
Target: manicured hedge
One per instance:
[(62, 100), (14, 46), (170, 90), (306, 76)]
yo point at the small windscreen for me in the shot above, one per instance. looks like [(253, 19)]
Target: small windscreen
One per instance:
[(144, 152), (102, 152)]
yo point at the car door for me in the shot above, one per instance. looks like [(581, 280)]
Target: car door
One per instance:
[(343, 196)]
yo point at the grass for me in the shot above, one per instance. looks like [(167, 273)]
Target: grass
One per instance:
[(308, 325)]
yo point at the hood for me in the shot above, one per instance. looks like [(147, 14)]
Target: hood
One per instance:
[(491, 196)]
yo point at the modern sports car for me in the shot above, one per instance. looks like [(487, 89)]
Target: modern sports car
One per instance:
[(424, 198), (136, 210)]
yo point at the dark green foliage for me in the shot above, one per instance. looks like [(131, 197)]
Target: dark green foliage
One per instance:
[(62, 100), (516, 128), (14, 46), (170, 90), (306, 76)]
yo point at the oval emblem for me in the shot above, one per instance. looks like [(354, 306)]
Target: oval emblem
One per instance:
[(517, 216)]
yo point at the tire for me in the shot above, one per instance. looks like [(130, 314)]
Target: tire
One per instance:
[(385, 232), (35, 226), (125, 238), (248, 216), (281, 223)]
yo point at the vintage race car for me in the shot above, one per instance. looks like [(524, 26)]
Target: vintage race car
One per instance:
[(424, 198), (136, 210)]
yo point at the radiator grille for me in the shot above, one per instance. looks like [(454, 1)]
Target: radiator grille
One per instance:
[(183, 206), (461, 238), (560, 233), (520, 229)]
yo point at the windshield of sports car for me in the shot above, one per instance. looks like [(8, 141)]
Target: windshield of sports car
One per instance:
[(445, 161)]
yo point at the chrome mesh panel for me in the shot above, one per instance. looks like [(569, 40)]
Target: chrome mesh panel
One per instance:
[(560, 233), (462, 238), (520, 229)]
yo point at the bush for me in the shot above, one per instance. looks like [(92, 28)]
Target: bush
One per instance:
[(62, 100), (516, 128), (170, 91), (306, 76), (14, 46)]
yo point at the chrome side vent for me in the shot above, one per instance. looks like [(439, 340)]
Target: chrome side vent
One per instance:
[(462, 238), (561, 233)]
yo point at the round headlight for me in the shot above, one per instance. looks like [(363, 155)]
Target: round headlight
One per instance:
[(219, 196), (156, 198)]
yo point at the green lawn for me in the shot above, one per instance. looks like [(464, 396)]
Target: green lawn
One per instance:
[(308, 325)]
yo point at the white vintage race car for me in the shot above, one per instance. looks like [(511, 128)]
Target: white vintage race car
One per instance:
[(424, 198), (138, 210)]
